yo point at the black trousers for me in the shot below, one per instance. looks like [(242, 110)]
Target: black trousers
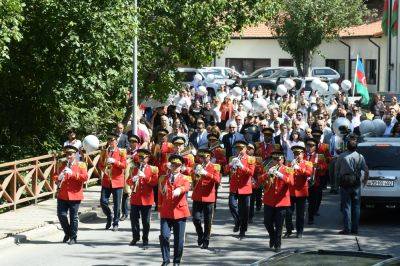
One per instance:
[(255, 201), (273, 222), (124, 205), (155, 193), (298, 204), (178, 226), (239, 206), (63, 207), (138, 211), (207, 210), (314, 201)]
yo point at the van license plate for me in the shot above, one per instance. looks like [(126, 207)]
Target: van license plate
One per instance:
[(380, 183)]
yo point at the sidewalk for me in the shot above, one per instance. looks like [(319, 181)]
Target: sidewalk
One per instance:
[(43, 214)]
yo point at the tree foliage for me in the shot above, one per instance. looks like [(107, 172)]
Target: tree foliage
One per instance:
[(302, 25), (10, 21), (73, 66)]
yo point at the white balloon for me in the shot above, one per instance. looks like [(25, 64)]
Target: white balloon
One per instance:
[(198, 77), (247, 105), (334, 88), (236, 91), (260, 105), (202, 91), (90, 143), (289, 84), (210, 77), (340, 122), (313, 108), (346, 85), (315, 84), (323, 88), (367, 127), (379, 127), (281, 90)]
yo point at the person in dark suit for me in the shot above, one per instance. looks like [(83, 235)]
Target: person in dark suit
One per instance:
[(229, 139), (122, 139), (199, 138)]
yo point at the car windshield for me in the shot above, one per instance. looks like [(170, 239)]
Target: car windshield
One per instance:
[(213, 72), (381, 157), (257, 73), (324, 71), (282, 73)]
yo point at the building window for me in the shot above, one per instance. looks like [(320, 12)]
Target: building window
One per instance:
[(370, 71), (248, 65), (285, 62), (337, 64)]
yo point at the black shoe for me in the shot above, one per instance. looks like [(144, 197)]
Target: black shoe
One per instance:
[(236, 228), (277, 249), (65, 239), (287, 234), (133, 242), (344, 232), (176, 264), (123, 217), (354, 232), (242, 235), (271, 243), (115, 228), (164, 263), (145, 245), (299, 235), (108, 225), (205, 244), (200, 241), (72, 241)]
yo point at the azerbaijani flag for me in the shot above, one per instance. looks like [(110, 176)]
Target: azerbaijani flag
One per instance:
[(395, 17), (385, 18), (360, 83)]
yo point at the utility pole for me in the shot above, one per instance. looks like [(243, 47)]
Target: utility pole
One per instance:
[(135, 74)]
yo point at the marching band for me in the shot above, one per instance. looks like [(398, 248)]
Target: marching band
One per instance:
[(164, 173)]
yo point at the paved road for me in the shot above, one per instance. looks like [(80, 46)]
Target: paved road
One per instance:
[(379, 232)]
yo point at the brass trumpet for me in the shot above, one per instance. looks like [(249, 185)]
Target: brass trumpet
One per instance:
[(141, 167)]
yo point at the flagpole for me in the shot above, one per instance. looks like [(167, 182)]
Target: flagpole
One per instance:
[(355, 76)]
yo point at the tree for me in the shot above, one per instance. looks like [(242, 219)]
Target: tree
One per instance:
[(10, 21), (302, 25)]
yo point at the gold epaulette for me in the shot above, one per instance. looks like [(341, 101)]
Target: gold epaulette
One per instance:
[(289, 170), (161, 179), (122, 152), (217, 167), (190, 157), (82, 165), (257, 145), (308, 163), (258, 159), (154, 169), (188, 178), (251, 160)]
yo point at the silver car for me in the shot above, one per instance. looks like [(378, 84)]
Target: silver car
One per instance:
[(325, 72), (382, 156)]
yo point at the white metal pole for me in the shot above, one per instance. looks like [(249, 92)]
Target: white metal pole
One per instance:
[(355, 76), (135, 74)]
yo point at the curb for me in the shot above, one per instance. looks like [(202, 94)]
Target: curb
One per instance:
[(46, 228)]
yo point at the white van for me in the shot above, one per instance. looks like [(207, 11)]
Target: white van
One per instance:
[(382, 156)]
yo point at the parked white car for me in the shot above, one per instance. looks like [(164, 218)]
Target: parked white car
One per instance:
[(325, 72), (225, 72)]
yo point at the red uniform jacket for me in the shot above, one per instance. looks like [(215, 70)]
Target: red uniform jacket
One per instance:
[(71, 187), (144, 195), (168, 206), (300, 176), (323, 149), (219, 156), (320, 166), (204, 187), (116, 179), (264, 150), (160, 156), (277, 193), (241, 179), (258, 171)]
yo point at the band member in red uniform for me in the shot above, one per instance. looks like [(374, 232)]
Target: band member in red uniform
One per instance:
[(241, 170), (256, 196), (276, 183), (160, 152), (179, 147), (320, 167), (206, 175), (323, 149), (218, 156), (265, 149), (134, 143), (69, 178), (113, 163), (299, 191), (173, 208), (143, 177)]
